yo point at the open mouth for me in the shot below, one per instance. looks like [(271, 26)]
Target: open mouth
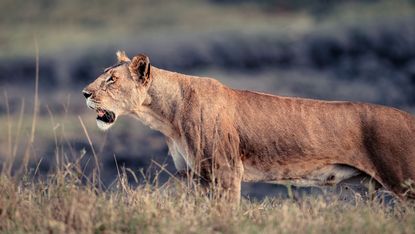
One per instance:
[(105, 116)]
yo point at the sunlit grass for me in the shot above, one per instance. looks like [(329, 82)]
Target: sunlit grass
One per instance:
[(61, 203)]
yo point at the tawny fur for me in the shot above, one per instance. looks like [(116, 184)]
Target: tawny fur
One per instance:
[(248, 136)]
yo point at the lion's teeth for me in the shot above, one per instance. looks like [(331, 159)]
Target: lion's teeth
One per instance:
[(101, 113)]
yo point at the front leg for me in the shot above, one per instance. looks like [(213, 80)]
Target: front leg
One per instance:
[(228, 180), (214, 147)]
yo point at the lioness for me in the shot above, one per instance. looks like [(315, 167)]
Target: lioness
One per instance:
[(227, 136)]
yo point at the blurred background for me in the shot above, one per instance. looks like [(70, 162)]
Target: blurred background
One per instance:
[(333, 50)]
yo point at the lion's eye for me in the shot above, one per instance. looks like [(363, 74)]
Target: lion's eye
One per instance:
[(110, 80)]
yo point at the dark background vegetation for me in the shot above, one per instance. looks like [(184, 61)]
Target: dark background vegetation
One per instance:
[(334, 50)]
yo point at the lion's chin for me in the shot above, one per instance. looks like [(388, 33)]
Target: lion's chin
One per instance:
[(103, 125)]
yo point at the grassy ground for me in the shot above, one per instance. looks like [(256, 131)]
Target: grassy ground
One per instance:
[(61, 204)]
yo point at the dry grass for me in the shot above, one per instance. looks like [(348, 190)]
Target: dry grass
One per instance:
[(61, 203)]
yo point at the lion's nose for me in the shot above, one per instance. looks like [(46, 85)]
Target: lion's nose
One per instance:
[(86, 94)]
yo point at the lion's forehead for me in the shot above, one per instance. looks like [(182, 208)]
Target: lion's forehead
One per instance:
[(117, 65)]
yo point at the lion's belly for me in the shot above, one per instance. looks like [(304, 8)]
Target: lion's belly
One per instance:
[(299, 174)]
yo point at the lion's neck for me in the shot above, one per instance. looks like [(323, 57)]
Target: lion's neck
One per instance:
[(164, 96)]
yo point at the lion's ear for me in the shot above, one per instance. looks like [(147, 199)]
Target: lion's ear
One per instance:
[(122, 57), (140, 68)]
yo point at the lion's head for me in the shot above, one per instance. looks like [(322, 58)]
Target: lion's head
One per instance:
[(121, 89)]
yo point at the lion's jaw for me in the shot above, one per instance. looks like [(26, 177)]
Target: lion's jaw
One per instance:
[(106, 117), (103, 117), (103, 125)]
